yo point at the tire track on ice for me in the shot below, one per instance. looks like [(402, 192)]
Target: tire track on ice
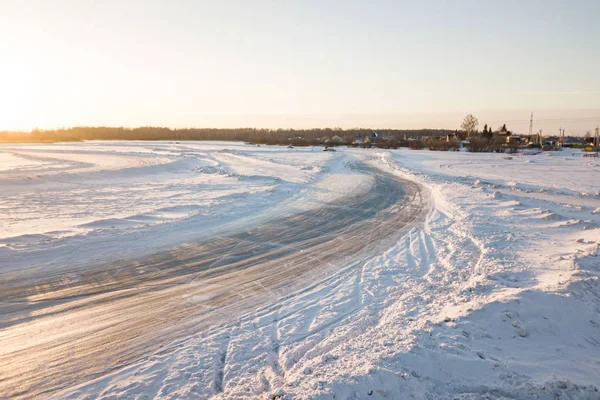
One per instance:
[(222, 281)]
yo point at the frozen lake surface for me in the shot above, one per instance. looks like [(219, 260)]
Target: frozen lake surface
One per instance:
[(224, 270)]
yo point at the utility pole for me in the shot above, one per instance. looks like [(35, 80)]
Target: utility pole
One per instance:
[(531, 126), (560, 138), (540, 138), (597, 138)]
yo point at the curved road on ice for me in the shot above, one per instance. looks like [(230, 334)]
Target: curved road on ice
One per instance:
[(61, 333)]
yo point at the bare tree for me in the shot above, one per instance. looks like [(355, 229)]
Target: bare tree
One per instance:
[(469, 125)]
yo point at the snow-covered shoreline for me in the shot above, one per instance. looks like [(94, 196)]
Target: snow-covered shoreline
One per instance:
[(495, 296)]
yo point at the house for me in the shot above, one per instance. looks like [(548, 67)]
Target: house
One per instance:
[(457, 135), (535, 138), (551, 141), (374, 137), (589, 147), (337, 139), (573, 142), (504, 135), (513, 139)]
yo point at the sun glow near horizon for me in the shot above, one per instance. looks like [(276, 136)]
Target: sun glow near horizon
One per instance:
[(394, 64)]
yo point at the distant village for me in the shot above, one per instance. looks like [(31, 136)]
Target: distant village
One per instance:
[(502, 139), (469, 138)]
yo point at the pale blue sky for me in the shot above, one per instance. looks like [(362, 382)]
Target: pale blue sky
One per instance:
[(399, 64)]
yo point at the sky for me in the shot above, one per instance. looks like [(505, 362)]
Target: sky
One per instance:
[(300, 64)]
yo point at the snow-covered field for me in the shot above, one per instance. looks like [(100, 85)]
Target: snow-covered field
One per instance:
[(493, 294), (118, 200)]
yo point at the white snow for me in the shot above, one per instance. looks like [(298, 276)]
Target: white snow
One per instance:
[(111, 200), (496, 295)]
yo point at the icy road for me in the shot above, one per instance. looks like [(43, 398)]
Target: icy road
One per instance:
[(157, 270), (63, 331)]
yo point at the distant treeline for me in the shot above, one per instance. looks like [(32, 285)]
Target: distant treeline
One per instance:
[(296, 137)]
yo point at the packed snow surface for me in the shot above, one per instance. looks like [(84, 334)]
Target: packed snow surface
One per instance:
[(115, 200), (490, 291)]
